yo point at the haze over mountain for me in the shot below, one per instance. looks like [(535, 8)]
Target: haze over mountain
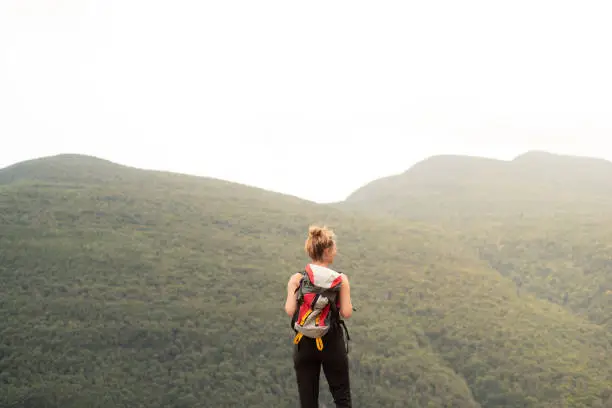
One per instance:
[(125, 287), (541, 219), (250, 91), (459, 187)]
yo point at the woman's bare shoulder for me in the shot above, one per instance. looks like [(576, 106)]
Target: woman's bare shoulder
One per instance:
[(295, 277)]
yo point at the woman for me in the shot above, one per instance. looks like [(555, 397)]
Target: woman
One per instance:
[(307, 358)]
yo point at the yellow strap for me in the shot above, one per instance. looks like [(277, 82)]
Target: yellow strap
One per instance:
[(297, 338), (319, 343), (305, 316)]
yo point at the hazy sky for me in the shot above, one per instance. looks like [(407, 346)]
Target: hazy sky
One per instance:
[(271, 93)]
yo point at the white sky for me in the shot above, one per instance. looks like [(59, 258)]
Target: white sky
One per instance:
[(271, 93)]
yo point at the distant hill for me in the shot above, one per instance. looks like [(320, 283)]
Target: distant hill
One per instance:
[(126, 287), (461, 187), (541, 219), (62, 168)]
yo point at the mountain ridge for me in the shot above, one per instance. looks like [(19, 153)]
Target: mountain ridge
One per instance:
[(539, 219), (458, 160), (465, 186), (62, 167)]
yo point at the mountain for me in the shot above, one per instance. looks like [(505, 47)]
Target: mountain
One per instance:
[(541, 219), (463, 187), (127, 287)]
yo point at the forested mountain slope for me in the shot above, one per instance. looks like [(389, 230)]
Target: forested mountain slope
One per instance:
[(125, 287), (541, 219), (565, 259)]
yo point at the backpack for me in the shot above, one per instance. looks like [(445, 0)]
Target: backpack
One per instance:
[(318, 304)]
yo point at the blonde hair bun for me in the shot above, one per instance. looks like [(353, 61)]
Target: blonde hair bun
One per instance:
[(319, 239), (315, 231)]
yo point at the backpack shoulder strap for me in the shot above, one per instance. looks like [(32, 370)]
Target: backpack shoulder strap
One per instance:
[(339, 322), (300, 299)]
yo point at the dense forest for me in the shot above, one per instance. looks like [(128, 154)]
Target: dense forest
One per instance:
[(541, 219), (123, 287)]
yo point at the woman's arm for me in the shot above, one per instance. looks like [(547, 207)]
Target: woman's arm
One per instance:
[(346, 306), (291, 302)]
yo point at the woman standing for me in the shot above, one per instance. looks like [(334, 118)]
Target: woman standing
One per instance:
[(309, 356)]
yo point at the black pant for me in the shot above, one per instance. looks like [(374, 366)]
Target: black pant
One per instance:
[(307, 361)]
